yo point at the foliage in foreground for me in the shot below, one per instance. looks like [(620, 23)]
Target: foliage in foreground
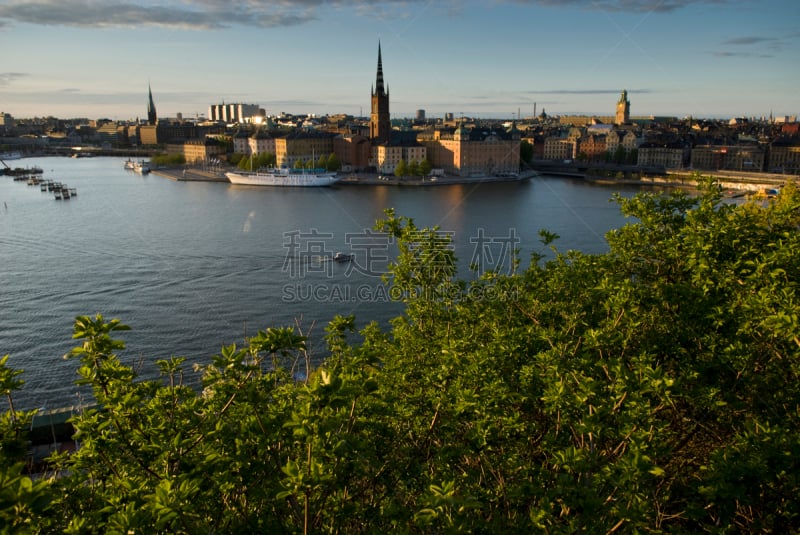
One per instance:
[(653, 389)]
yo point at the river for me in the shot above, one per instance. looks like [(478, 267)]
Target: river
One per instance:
[(191, 266)]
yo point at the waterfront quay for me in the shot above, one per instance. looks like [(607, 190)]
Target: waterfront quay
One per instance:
[(731, 180), (195, 174)]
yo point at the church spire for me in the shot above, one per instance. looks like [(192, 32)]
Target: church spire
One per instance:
[(152, 117), (379, 79)]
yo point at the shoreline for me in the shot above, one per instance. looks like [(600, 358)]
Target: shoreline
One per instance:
[(727, 180), (190, 174)]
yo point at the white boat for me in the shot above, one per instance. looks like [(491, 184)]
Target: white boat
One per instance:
[(11, 156), (129, 164), (285, 177), (342, 257), (141, 167)]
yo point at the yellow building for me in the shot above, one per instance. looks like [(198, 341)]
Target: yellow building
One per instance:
[(386, 157), (475, 152), (201, 150), (667, 155), (353, 150), (747, 157), (559, 148), (302, 147), (784, 157)]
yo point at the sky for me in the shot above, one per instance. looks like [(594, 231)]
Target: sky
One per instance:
[(486, 58)]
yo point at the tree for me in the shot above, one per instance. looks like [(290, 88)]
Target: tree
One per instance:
[(333, 163), (264, 160), (247, 163), (235, 158), (413, 168), (620, 154), (425, 167), (168, 159), (525, 152), (402, 169)]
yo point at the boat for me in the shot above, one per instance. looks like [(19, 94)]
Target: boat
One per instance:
[(129, 164), (342, 257), (11, 155), (285, 177), (141, 167)]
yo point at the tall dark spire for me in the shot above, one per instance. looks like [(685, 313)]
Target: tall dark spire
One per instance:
[(152, 117), (379, 90)]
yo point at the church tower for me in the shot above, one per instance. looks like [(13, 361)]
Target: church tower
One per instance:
[(623, 109), (380, 125), (152, 118)]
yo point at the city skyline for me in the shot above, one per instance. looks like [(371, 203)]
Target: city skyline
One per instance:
[(705, 58)]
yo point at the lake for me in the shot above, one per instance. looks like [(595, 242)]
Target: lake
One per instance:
[(193, 266)]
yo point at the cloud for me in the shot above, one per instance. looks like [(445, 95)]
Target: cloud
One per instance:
[(588, 91), (751, 46), (724, 54), (199, 15), (218, 14), (643, 6), (749, 40), (7, 78)]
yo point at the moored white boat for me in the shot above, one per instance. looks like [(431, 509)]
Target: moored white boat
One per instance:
[(285, 177), (141, 167)]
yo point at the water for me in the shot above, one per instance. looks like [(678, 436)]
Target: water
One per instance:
[(193, 266)]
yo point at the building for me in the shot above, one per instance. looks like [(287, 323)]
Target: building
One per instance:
[(623, 109), (112, 133), (385, 157), (592, 147), (479, 151), (6, 122), (559, 148), (353, 150), (784, 157), (380, 124), (621, 144), (233, 113), (670, 155), (202, 150), (300, 147), (740, 157)]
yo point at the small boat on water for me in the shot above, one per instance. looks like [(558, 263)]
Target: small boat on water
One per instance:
[(129, 164), (342, 257), (141, 167)]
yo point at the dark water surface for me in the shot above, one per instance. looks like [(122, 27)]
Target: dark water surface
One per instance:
[(193, 266)]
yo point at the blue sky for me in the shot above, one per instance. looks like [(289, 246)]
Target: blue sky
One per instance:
[(490, 58)]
